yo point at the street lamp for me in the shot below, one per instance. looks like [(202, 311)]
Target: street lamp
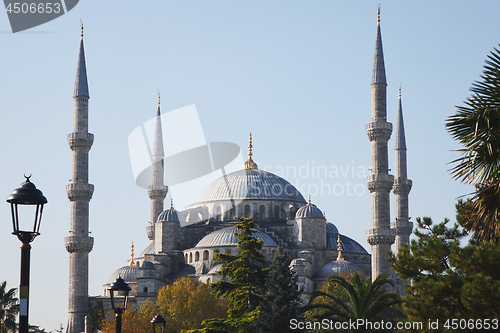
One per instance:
[(26, 194), (158, 319), (119, 305)]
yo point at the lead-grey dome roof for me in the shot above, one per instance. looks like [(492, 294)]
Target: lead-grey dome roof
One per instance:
[(226, 237), (169, 215), (336, 268), (309, 211), (347, 244), (250, 184), (127, 273)]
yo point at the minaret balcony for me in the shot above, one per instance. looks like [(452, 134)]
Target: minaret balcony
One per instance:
[(377, 236), (79, 244), (402, 228), (379, 131), (157, 192), (402, 186), (81, 141), (379, 182), (80, 191)]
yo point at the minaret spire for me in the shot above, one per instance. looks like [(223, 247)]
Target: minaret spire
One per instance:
[(379, 182), (79, 191), (402, 185), (157, 190)]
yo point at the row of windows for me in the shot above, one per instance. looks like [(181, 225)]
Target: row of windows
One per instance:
[(206, 254), (261, 214)]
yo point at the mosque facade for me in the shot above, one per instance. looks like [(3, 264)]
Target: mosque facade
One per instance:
[(183, 243)]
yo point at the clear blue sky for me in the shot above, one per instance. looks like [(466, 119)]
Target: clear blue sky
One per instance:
[(296, 74)]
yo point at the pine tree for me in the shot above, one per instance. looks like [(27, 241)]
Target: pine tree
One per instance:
[(244, 282), (448, 280), (282, 301)]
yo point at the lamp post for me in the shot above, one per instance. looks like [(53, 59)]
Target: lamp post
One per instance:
[(26, 194), (118, 305), (157, 320)]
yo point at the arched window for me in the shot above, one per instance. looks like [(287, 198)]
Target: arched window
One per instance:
[(205, 255), (208, 281), (197, 256), (247, 210), (186, 257), (190, 256), (218, 213), (262, 212)]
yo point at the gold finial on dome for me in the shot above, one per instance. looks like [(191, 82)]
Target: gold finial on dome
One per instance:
[(158, 98), (250, 164), (171, 204), (81, 29), (378, 14), (399, 91), (339, 249), (309, 202), (132, 263)]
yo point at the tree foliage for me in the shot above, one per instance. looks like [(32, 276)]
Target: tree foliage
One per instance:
[(9, 308), (243, 285), (349, 298), (281, 302), (476, 126), (184, 304), (448, 280)]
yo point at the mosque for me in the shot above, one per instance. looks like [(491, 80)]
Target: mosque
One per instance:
[(183, 243)]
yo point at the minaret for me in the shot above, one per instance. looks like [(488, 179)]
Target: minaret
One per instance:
[(379, 182), (402, 185), (79, 191), (157, 190)]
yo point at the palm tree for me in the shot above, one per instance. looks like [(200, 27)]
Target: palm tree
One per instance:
[(476, 126), (358, 298), (9, 308)]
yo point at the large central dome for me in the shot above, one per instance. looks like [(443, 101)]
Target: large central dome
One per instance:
[(250, 184)]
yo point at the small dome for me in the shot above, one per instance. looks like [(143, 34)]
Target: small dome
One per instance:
[(148, 265), (336, 268), (226, 237), (309, 211), (331, 228), (169, 215), (298, 262), (128, 273)]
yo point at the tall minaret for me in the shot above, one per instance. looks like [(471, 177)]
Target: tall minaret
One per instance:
[(402, 185), (379, 182), (157, 190), (79, 191)]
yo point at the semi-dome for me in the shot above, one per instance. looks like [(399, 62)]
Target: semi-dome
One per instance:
[(127, 273), (250, 184), (309, 211), (298, 262), (215, 269), (226, 237), (331, 228), (150, 249), (336, 268), (348, 245)]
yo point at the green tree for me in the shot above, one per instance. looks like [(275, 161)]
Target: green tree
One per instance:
[(282, 301), (476, 126), (356, 298), (244, 282), (448, 280), (9, 307)]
